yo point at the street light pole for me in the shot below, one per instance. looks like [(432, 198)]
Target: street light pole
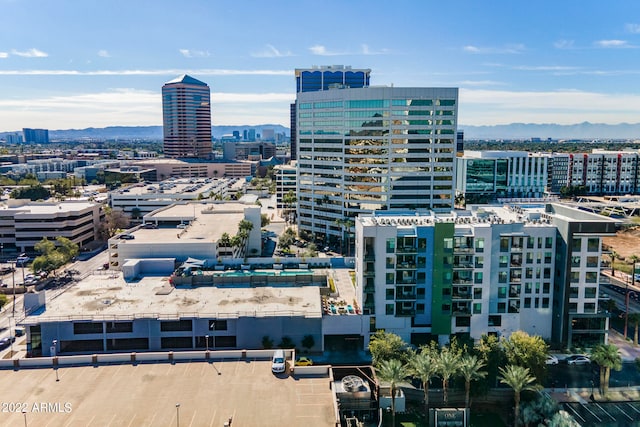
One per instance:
[(206, 338), (177, 415), (24, 413), (626, 298)]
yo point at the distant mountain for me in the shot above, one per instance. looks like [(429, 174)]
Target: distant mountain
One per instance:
[(147, 132), (584, 131)]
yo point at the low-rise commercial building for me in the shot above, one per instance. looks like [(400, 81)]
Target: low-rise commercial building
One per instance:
[(24, 223)]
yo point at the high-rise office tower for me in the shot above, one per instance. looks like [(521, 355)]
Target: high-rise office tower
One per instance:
[(369, 149), (324, 78), (36, 136), (186, 113)]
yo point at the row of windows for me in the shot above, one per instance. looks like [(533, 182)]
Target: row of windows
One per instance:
[(81, 328), (379, 103)]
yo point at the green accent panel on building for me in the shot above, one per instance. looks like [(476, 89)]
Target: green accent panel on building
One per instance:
[(442, 276)]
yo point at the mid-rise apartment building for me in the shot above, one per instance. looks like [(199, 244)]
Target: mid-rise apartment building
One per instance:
[(373, 149), (493, 270)]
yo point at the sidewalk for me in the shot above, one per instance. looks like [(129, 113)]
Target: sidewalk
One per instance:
[(628, 351)]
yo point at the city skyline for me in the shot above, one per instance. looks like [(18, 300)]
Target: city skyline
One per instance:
[(98, 64)]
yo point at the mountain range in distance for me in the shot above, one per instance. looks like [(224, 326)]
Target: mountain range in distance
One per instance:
[(513, 131)]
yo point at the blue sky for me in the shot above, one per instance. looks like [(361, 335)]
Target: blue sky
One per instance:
[(93, 63)]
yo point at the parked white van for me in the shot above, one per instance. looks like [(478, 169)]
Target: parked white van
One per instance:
[(278, 363)]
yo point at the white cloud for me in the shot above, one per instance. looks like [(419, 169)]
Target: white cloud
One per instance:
[(104, 54), (31, 53), (322, 51), (506, 49), (271, 51), (480, 83), (563, 44), (633, 28), (544, 68), (189, 53), (4, 55), (159, 72), (490, 107), (131, 107), (613, 44), (367, 51)]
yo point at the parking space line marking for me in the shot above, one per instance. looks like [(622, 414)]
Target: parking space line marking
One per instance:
[(213, 418), (193, 417), (132, 419)]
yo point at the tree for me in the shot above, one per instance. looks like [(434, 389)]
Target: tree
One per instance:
[(114, 220), (563, 419), (3, 300), (308, 341), (470, 369), (289, 200), (423, 366), (393, 372), (492, 354), (528, 351), (635, 319), (535, 412), (607, 356), (67, 248), (225, 240), (519, 379), (264, 220), (447, 364), (45, 246), (135, 212), (386, 346), (614, 256)]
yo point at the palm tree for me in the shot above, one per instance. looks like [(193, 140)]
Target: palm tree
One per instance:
[(635, 319), (393, 372), (447, 365), (519, 379), (607, 356), (614, 256), (423, 366), (470, 369)]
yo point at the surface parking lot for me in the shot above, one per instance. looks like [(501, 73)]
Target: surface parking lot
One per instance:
[(146, 395), (605, 413)]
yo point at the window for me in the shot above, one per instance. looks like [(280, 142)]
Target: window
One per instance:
[(389, 294), (480, 244), (422, 244), (575, 277), (575, 261), (422, 262), (528, 273), (514, 306), (479, 262), (546, 287), (420, 308), (502, 277), (573, 307), (548, 242), (390, 262), (446, 292), (527, 302), (574, 292), (448, 243), (477, 277), (502, 292), (590, 292), (576, 245), (420, 293), (389, 309), (477, 293), (391, 246), (115, 327), (592, 261), (528, 287), (87, 328), (593, 244), (477, 308), (504, 244), (463, 321), (446, 308), (503, 260), (589, 307), (502, 307), (175, 325), (530, 242), (591, 277), (547, 257), (545, 302), (390, 277), (495, 321)]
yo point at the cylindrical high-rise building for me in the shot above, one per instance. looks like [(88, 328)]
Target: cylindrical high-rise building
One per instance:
[(186, 114)]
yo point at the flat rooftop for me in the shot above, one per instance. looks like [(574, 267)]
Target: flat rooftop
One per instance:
[(186, 187), (212, 220), (108, 296), (147, 394)]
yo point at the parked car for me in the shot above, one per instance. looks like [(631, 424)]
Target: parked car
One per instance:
[(6, 342), (578, 359), (551, 360), (304, 361)]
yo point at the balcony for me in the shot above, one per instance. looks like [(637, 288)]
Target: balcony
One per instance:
[(462, 249), (370, 288), (406, 313), (406, 250), (405, 296), (405, 266), (369, 273), (369, 256)]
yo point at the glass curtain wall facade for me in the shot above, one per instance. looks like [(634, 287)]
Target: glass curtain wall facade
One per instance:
[(363, 150)]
